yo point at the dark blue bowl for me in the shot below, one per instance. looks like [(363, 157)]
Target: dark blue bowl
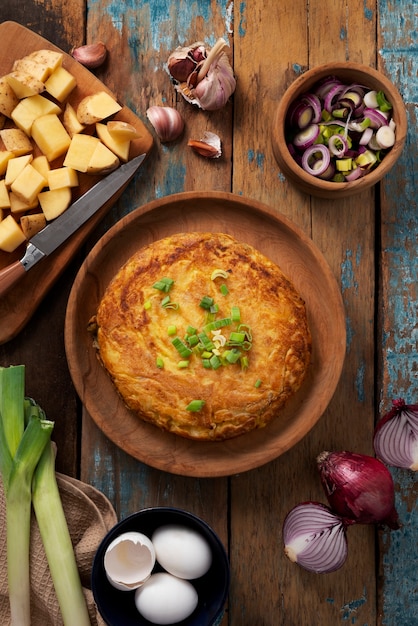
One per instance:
[(118, 607)]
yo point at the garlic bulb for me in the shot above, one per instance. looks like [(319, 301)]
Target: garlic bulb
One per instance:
[(208, 146), (203, 78), (91, 55), (167, 122)]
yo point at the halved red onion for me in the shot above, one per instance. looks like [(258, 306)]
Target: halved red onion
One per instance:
[(316, 159), (358, 487), (315, 538), (396, 436)]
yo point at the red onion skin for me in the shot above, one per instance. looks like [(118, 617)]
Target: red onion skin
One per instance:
[(358, 488)]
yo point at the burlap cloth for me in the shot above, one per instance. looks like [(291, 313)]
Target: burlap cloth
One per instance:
[(89, 516)]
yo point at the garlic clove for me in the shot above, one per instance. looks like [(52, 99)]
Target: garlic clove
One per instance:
[(167, 122), (183, 61), (129, 561), (208, 146), (90, 55)]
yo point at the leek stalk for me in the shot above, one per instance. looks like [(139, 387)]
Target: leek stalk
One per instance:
[(57, 541)]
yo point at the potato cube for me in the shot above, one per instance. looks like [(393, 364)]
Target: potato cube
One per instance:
[(62, 177), (19, 207), (15, 166), (70, 121), (96, 108), (29, 109), (8, 98), (32, 224), (16, 141), (4, 195), (51, 58), (80, 152), (120, 147), (11, 235), (122, 130), (41, 164), (60, 84), (50, 136), (5, 156), (54, 202), (28, 184), (24, 85), (27, 65), (102, 161)]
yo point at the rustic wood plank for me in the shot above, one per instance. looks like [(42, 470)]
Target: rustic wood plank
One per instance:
[(398, 601), (40, 346), (266, 588)]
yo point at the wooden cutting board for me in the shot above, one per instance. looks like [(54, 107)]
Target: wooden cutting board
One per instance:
[(19, 304)]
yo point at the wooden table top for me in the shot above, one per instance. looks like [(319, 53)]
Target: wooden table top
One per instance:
[(370, 244)]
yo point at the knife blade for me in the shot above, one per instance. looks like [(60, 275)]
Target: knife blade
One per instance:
[(58, 231)]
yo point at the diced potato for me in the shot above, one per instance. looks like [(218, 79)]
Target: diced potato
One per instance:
[(41, 164), (70, 121), (54, 202), (80, 152), (102, 161), (32, 224), (51, 58), (50, 136), (28, 184), (19, 207), (11, 235), (15, 140), (28, 65), (96, 108), (29, 109), (120, 147), (24, 85), (4, 195), (8, 98), (5, 156), (62, 177), (60, 84), (122, 130), (15, 166)]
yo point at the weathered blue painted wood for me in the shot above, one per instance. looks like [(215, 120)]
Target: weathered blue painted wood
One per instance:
[(398, 58)]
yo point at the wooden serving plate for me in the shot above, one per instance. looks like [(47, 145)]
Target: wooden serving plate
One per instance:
[(275, 236), (17, 306)]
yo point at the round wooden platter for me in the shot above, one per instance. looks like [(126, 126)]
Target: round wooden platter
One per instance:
[(277, 238), (19, 304)]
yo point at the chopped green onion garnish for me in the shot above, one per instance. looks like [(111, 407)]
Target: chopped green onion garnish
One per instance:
[(235, 314), (147, 305), (191, 330), (244, 328), (206, 354), (183, 364), (224, 289), (164, 284), (159, 362), (257, 383), (206, 364), (192, 340), (167, 304), (214, 308), (244, 362), (205, 341), (232, 356), (206, 302), (195, 405), (384, 104), (215, 362), (171, 330), (216, 324), (181, 348), (219, 274), (235, 337)]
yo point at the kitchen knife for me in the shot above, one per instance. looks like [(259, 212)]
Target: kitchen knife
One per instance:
[(58, 231)]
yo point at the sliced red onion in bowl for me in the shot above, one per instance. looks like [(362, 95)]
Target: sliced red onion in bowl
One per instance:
[(315, 538), (316, 159), (306, 137), (396, 436)]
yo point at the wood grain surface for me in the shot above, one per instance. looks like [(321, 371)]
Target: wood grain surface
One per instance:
[(369, 242)]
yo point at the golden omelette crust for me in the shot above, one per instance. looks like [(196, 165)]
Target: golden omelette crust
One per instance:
[(130, 337)]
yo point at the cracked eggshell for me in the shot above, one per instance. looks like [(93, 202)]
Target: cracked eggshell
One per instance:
[(129, 561)]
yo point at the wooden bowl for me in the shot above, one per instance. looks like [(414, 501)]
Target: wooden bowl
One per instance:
[(279, 239), (348, 73)]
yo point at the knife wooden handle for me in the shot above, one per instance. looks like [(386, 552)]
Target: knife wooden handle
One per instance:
[(10, 275)]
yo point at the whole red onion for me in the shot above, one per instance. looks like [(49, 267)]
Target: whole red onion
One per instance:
[(358, 488)]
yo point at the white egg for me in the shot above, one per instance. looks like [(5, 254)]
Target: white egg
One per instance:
[(166, 599), (182, 551), (129, 560)]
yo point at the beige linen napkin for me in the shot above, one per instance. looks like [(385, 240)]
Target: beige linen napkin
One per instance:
[(89, 517)]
